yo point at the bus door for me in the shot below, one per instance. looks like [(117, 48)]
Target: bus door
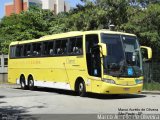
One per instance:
[(93, 61)]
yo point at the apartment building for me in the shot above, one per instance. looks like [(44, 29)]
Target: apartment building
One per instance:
[(17, 6)]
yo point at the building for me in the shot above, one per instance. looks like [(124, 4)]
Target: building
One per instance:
[(17, 6), (3, 68)]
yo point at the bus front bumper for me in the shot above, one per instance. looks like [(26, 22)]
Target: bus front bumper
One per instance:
[(121, 89)]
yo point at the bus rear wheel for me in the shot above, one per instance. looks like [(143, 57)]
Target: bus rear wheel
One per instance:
[(31, 83), (81, 89), (23, 83)]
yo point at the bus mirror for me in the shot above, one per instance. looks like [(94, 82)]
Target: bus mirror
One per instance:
[(146, 52), (103, 48)]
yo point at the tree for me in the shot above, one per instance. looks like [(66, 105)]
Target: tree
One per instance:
[(145, 24), (30, 24)]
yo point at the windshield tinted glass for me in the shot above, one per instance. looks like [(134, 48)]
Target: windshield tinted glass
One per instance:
[(123, 55), (131, 49), (115, 50)]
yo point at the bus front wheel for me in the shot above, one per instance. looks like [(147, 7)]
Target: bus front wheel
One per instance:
[(82, 89)]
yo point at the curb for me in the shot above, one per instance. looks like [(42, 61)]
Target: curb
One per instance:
[(151, 92)]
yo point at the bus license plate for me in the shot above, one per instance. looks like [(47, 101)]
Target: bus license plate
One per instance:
[(126, 89)]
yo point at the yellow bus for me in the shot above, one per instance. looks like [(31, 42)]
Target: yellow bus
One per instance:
[(100, 61)]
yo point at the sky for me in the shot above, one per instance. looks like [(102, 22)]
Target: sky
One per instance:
[(2, 2)]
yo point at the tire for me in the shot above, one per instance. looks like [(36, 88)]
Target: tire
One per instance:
[(31, 83), (23, 83), (82, 89)]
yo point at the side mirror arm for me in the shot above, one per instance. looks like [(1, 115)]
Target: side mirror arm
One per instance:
[(103, 48)]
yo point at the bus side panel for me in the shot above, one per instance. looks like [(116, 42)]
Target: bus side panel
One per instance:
[(13, 74), (76, 68)]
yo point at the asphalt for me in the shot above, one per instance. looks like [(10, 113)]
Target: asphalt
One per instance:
[(8, 85)]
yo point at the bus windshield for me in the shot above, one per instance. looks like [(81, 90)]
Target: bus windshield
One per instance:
[(123, 58)]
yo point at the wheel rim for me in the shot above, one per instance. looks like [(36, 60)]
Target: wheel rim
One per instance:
[(30, 83), (22, 84), (81, 87)]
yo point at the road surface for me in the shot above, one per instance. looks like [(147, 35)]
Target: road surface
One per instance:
[(53, 101)]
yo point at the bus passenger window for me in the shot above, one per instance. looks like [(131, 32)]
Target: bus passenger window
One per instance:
[(72, 43), (19, 51), (48, 48), (27, 50), (64, 45), (58, 50), (79, 46), (75, 45), (12, 51), (51, 52), (36, 49)]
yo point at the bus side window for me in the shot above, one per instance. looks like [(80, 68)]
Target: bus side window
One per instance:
[(64, 45), (48, 48), (78, 46), (72, 43), (75, 45), (19, 51), (12, 51), (36, 51), (27, 50), (58, 50)]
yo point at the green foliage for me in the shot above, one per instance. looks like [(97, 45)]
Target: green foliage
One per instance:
[(35, 22), (145, 24), (27, 25)]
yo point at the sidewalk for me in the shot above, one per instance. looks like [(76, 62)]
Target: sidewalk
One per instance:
[(8, 85), (151, 92)]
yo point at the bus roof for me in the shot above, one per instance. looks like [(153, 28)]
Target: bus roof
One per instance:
[(69, 34)]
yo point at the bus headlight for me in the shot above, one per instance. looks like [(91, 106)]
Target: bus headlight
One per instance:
[(108, 81), (138, 81)]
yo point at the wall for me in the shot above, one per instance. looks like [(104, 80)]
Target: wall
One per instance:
[(9, 9), (3, 68), (18, 7), (60, 6)]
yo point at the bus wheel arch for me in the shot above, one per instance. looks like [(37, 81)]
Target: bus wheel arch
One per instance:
[(80, 87), (30, 82), (23, 82)]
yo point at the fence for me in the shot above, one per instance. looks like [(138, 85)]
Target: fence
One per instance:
[(151, 72)]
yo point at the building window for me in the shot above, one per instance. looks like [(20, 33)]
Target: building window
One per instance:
[(5, 62)]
